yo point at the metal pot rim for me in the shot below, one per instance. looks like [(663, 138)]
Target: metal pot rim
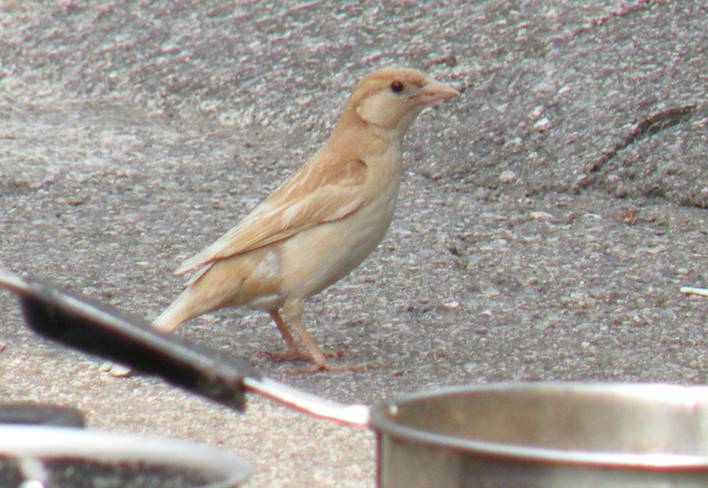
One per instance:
[(383, 420), (23, 441)]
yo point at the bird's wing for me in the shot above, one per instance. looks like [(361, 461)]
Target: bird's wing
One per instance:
[(313, 195)]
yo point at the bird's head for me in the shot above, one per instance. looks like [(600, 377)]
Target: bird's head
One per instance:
[(391, 98)]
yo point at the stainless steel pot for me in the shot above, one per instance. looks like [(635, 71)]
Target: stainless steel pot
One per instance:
[(545, 435), (505, 435)]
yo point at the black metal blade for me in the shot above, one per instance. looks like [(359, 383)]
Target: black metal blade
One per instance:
[(95, 328)]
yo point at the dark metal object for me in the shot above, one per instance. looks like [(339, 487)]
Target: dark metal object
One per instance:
[(84, 324), (35, 414), (558, 435), (97, 329)]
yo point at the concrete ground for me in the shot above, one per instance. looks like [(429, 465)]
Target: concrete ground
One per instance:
[(547, 217)]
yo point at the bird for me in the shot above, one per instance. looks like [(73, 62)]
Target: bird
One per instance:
[(320, 223)]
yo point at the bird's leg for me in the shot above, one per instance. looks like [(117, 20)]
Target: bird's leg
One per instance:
[(293, 352), (293, 310)]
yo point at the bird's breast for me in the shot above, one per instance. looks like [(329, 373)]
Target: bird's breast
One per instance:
[(317, 257)]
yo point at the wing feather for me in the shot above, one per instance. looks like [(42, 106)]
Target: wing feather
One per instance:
[(315, 194)]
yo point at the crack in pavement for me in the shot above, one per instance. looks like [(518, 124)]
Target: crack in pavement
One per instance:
[(645, 127)]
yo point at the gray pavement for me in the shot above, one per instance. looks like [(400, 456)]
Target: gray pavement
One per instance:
[(546, 221)]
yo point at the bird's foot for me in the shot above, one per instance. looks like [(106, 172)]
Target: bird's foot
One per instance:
[(327, 366), (297, 355), (289, 355)]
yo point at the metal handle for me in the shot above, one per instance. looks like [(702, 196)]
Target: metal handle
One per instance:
[(355, 414), (95, 328), (103, 331)]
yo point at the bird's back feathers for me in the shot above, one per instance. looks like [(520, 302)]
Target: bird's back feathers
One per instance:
[(315, 194)]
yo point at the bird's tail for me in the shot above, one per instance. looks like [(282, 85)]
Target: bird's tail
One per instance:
[(208, 290), (175, 314), (216, 285)]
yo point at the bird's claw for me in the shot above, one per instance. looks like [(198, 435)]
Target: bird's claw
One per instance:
[(290, 355), (326, 366), (297, 355)]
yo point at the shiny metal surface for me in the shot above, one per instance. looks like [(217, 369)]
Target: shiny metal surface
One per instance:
[(37, 444), (546, 435), (355, 415)]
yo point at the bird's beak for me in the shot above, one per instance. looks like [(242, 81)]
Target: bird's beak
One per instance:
[(434, 91)]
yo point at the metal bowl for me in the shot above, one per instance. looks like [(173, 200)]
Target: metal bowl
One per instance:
[(40, 456), (545, 434)]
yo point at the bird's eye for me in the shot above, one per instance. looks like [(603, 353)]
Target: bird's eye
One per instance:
[(396, 86)]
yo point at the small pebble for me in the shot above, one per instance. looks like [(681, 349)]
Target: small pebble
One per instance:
[(542, 124), (507, 176), (115, 370), (537, 112), (544, 216), (451, 305)]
